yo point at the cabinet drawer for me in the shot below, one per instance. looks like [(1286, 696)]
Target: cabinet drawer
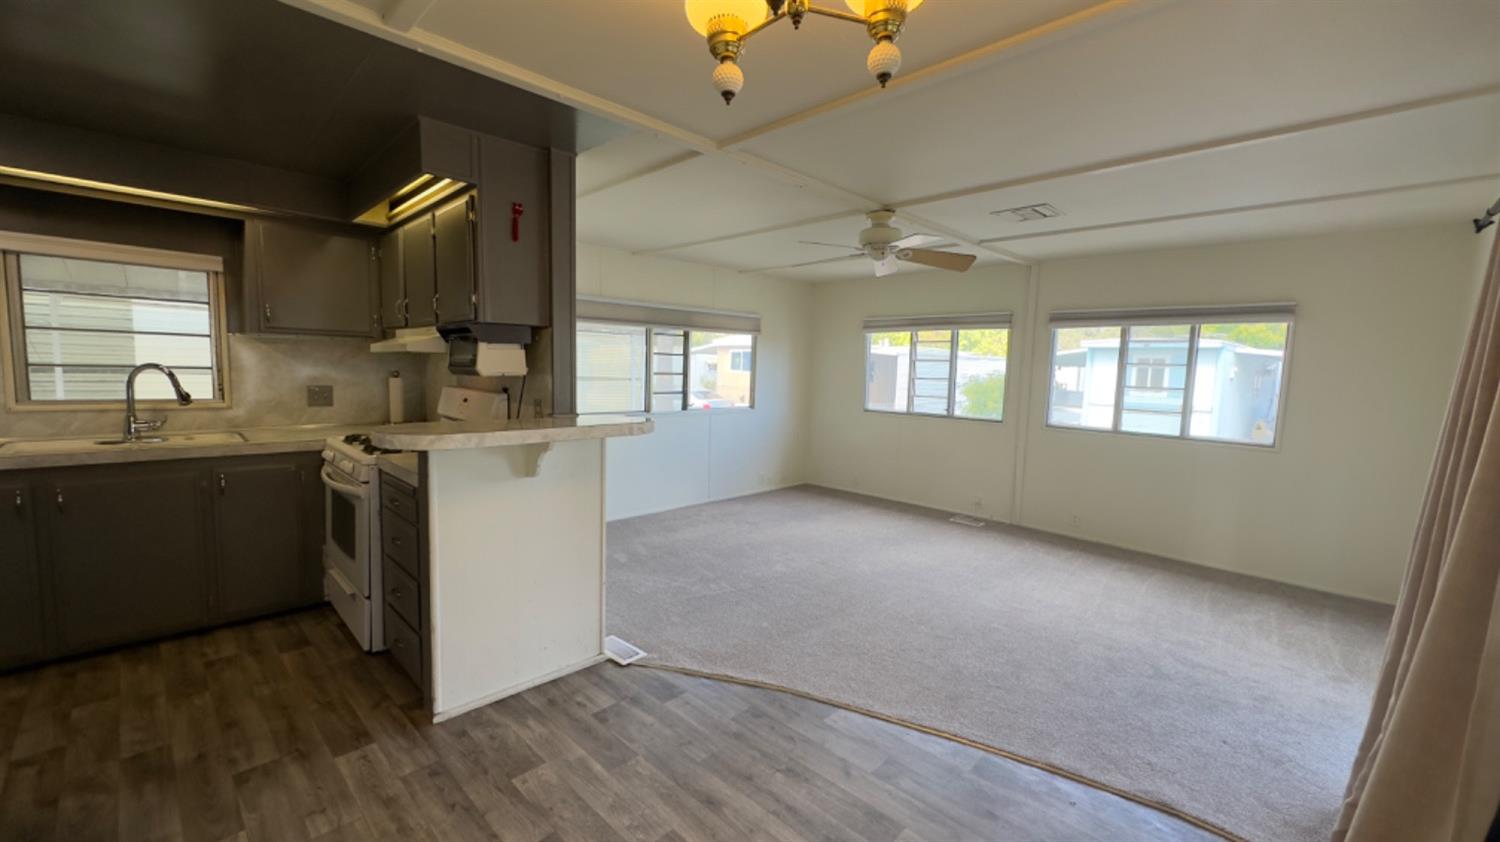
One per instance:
[(405, 646), (399, 539), (402, 594), (399, 498)]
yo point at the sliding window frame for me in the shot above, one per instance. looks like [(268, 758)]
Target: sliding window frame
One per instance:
[(1194, 318), (955, 325)]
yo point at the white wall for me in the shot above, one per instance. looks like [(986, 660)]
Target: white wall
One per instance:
[(701, 456), (955, 464), (1381, 316)]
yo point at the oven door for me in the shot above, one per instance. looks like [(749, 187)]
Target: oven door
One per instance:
[(346, 541)]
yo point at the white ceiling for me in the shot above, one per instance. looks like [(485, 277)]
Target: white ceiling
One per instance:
[(1150, 123)]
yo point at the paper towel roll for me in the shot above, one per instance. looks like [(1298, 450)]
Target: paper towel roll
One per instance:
[(397, 391)]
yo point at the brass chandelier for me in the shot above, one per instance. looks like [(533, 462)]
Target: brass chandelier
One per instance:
[(728, 24)]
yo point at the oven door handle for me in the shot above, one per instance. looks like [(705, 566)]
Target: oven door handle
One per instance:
[(353, 489)]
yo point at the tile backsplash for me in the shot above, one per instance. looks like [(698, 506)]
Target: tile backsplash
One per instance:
[(268, 380)]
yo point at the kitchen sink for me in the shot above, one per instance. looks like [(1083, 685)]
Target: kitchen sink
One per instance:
[(38, 446)]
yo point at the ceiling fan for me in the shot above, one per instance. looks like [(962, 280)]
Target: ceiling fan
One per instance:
[(883, 243)]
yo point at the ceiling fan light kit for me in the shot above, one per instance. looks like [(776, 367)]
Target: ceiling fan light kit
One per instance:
[(727, 24)]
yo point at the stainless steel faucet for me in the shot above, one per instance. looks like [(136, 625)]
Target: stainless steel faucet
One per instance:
[(134, 426)]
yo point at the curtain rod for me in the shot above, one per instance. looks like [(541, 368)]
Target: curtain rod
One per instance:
[(1488, 217)]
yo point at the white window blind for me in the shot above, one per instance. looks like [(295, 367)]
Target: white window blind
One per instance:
[(85, 323)]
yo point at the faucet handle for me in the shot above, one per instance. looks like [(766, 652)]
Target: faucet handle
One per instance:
[(147, 426)]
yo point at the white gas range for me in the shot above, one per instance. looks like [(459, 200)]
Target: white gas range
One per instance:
[(351, 540), (352, 468)]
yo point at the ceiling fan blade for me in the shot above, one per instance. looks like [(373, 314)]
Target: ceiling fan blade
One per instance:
[(887, 266), (830, 245), (951, 261), (916, 241)]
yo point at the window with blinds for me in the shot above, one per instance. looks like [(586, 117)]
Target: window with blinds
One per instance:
[(637, 357), (950, 366), (80, 325), (1214, 374)]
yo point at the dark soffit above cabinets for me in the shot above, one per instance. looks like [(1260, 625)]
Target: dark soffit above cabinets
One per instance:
[(255, 81)]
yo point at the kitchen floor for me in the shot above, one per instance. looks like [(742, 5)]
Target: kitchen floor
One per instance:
[(282, 729)]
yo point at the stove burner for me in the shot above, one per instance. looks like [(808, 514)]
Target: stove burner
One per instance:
[(362, 441)]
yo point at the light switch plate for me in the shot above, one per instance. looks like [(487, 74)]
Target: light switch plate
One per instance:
[(320, 396)]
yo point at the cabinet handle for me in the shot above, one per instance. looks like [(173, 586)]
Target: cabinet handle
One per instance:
[(406, 309), (223, 483), (268, 314), (396, 593), (398, 643), (396, 541), (435, 308), (20, 502), (59, 499)]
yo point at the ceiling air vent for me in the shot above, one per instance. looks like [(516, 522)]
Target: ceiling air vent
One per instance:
[(1027, 213)]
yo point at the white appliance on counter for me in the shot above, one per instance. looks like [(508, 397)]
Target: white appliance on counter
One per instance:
[(352, 569)]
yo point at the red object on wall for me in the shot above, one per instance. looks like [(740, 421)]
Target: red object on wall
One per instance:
[(516, 209)]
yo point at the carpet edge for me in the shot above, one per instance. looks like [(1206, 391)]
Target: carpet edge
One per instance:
[(1161, 807)]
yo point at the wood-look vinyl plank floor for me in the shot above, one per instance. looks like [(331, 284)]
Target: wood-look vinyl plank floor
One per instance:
[(281, 729)]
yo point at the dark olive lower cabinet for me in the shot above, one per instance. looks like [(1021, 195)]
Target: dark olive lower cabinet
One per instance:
[(127, 555), (260, 521), (131, 552), (20, 586)]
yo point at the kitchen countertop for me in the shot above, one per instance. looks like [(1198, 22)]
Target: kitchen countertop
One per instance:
[(305, 437), (459, 435)]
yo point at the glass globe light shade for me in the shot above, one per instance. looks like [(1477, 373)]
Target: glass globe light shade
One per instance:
[(863, 8), (700, 12)]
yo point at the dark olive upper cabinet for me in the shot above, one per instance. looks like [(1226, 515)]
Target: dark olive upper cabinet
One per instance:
[(127, 553), (392, 297), (514, 252), (310, 278), (453, 257), (259, 526), (418, 274), (20, 586)]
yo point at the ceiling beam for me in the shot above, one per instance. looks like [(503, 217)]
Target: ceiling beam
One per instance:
[(769, 229), (908, 207), (968, 62), (1206, 146), (634, 175), (402, 15), (1207, 214)]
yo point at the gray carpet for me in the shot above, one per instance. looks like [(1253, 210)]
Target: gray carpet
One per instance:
[(1236, 700)]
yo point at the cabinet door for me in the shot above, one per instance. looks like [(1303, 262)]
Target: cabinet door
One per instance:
[(314, 279), (453, 256), (127, 551), (259, 523), (392, 295), (20, 586), (514, 271), (418, 271)]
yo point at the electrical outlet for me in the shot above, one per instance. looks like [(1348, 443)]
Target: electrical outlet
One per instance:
[(320, 396)]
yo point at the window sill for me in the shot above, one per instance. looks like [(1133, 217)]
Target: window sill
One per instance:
[(1273, 447), (895, 414)]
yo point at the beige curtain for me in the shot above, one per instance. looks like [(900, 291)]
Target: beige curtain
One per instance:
[(1429, 766)]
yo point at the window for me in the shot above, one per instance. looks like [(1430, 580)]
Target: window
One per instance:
[(1212, 375), (611, 368), (956, 371), (685, 369), (79, 325)]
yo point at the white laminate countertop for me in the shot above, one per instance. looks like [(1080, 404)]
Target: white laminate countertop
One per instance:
[(460, 435), (83, 450)]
